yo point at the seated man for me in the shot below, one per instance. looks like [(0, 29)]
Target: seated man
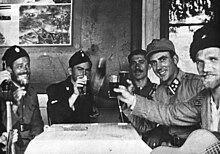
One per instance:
[(175, 87), (26, 117), (203, 108), (138, 66), (71, 101)]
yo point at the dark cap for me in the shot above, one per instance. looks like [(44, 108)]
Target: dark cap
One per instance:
[(78, 58), (158, 45), (13, 53), (205, 37), (136, 52)]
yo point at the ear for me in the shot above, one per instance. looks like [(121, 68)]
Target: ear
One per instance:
[(8, 68), (70, 70), (149, 66), (176, 59)]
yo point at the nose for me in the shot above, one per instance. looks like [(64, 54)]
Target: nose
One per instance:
[(206, 67), (158, 65), (25, 69), (137, 66), (84, 72)]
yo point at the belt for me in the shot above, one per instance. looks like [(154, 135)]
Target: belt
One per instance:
[(24, 127), (177, 141)]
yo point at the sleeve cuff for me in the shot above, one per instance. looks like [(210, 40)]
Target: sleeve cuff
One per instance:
[(134, 102)]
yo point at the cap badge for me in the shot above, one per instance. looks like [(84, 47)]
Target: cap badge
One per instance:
[(17, 49), (204, 36)]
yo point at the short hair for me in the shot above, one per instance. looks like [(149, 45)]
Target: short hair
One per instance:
[(136, 52)]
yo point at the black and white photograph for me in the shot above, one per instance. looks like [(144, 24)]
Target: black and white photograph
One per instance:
[(110, 76)]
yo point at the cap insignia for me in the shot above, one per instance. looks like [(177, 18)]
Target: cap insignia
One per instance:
[(17, 49), (204, 36)]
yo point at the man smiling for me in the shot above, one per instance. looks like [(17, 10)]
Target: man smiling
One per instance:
[(175, 86), (26, 117), (204, 107)]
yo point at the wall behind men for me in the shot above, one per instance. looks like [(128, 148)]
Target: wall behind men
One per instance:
[(102, 28)]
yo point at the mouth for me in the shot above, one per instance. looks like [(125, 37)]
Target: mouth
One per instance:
[(161, 72), (138, 72), (208, 76), (23, 78)]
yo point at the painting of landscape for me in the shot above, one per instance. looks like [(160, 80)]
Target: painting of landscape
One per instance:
[(36, 23), (45, 25)]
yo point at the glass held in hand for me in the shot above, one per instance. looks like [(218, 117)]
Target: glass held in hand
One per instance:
[(123, 76), (113, 83), (6, 84), (84, 82)]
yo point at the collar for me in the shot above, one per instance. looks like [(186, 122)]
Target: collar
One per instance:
[(147, 90), (172, 88), (69, 84)]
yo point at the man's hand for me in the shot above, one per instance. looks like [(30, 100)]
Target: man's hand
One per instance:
[(4, 137), (125, 94), (19, 93), (4, 75), (157, 137), (80, 82)]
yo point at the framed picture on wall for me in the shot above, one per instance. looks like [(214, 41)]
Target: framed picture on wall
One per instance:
[(36, 22)]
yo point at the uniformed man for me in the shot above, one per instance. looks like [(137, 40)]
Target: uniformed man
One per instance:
[(26, 117), (175, 86), (71, 101), (138, 69), (204, 107)]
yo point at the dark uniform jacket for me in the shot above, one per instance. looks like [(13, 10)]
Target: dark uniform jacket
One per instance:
[(58, 104), (27, 119)]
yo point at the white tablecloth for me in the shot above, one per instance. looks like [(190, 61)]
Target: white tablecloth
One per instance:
[(88, 139)]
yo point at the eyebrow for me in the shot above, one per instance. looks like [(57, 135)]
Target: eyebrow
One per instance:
[(162, 57), (79, 67)]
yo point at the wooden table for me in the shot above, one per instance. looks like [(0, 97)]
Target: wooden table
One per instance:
[(102, 138)]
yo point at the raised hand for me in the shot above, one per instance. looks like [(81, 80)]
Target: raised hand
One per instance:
[(4, 75), (126, 94), (19, 93)]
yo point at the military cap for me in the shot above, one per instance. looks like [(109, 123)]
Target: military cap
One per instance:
[(205, 37), (158, 45), (78, 58), (136, 52), (13, 53)]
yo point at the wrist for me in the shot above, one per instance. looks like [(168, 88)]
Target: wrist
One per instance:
[(134, 99)]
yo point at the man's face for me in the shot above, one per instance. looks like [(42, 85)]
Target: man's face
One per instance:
[(164, 66), (208, 65), (21, 71), (138, 67), (80, 70)]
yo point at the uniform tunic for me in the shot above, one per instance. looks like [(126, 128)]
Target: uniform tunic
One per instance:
[(58, 104), (189, 86), (27, 116)]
